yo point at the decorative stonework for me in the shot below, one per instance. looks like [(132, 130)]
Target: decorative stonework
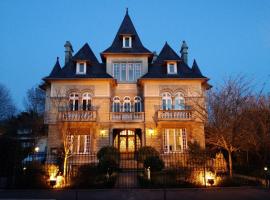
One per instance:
[(173, 89)]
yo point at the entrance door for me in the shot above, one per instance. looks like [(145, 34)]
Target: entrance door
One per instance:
[(127, 141)]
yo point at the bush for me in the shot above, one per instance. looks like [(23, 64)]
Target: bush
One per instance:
[(34, 176), (108, 157), (90, 176), (154, 162), (145, 152)]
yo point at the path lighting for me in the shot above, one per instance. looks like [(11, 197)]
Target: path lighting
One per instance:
[(36, 149), (148, 174)]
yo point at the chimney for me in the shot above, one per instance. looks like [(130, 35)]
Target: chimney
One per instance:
[(184, 52), (154, 56), (68, 51)]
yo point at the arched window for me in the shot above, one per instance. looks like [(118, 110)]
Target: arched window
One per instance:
[(116, 104), (127, 105), (74, 101), (86, 101), (166, 101), (137, 104), (179, 101)]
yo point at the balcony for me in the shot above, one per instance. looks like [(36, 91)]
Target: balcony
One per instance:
[(184, 115), (77, 115), (127, 116)]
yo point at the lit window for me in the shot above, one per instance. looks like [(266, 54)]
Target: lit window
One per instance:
[(81, 68), (78, 144), (127, 42), (171, 68), (175, 140)]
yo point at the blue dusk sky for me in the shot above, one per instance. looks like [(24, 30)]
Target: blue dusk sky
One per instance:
[(227, 37)]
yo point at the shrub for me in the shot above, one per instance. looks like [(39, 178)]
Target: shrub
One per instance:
[(145, 152), (154, 162), (90, 176), (34, 176), (108, 157)]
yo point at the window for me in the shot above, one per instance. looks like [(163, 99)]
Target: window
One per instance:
[(79, 144), (123, 72), (175, 140), (86, 101), (116, 71), (179, 101), (127, 105), (74, 101), (116, 104), (127, 71), (166, 101), (171, 68), (81, 68), (127, 42), (137, 104)]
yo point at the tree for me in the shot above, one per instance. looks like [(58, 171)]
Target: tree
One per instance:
[(35, 100), (7, 107), (225, 125)]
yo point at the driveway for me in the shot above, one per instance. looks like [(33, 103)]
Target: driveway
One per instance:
[(138, 194)]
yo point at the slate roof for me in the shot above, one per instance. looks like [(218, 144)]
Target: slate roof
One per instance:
[(158, 69), (127, 28), (86, 53), (56, 69), (94, 69)]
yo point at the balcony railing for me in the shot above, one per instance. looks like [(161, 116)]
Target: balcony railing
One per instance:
[(79, 115), (127, 116), (175, 115)]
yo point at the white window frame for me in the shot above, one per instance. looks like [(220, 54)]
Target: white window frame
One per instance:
[(127, 101), (88, 98), (166, 140), (116, 100), (126, 67), (167, 97), (86, 146), (129, 41), (137, 102), (174, 68), (78, 68), (179, 101), (73, 98)]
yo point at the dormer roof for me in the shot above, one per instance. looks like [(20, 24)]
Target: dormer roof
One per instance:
[(126, 29)]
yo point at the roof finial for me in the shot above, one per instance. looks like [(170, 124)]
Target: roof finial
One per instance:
[(57, 58), (127, 11)]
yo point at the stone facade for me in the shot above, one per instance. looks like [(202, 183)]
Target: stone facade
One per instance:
[(166, 123)]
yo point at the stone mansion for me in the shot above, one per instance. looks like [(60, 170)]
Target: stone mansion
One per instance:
[(132, 98)]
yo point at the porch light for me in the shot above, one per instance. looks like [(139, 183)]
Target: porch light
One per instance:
[(151, 131), (102, 133)]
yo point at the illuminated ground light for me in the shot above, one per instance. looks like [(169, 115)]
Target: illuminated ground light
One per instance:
[(56, 180), (207, 178)]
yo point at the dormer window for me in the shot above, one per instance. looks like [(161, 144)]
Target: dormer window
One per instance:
[(127, 42), (171, 68), (81, 68)]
